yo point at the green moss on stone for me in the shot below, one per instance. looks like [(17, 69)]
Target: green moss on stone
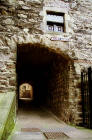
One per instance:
[(7, 114)]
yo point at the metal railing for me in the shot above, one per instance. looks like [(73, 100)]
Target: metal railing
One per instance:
[(86, 90)]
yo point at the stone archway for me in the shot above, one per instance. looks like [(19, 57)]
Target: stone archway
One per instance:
[(26, 91), (48, 72)]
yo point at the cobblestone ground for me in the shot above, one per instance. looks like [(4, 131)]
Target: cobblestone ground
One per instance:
[(33, 122)]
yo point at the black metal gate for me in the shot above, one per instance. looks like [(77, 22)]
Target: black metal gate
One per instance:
[(86, 88)]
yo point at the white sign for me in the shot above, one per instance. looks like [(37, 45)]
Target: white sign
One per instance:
[(59, 39)]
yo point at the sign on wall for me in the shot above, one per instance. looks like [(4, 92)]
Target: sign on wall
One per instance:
[(65, 39)]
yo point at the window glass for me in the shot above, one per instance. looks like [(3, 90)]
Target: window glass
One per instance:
[(55, 22)]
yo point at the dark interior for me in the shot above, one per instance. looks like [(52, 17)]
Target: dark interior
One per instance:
[(33, 66), (47, 72)]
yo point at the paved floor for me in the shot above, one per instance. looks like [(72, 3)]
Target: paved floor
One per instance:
[(32, 122)]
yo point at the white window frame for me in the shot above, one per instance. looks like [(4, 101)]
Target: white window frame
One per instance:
[(58, 10)]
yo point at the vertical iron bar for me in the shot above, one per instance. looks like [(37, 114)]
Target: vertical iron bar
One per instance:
[(87, 110), (82, 91), (91, 100), (90, 94), (85, 102)]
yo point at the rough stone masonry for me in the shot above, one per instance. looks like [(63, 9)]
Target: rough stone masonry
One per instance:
[(23, 22)]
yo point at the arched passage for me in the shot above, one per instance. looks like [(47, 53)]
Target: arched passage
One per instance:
[(48, 73), (26, 91)]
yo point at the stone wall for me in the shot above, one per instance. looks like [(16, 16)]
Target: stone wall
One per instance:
[(81, 39), (23, 22), (80, 46), (58, 90), (64, 95), (75, 99), (17, 23), (79, 30)]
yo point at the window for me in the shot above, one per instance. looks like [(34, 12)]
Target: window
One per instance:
[(55, 22)]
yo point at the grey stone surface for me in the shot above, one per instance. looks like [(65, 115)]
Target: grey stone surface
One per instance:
[(46, 122), (23, 23)]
